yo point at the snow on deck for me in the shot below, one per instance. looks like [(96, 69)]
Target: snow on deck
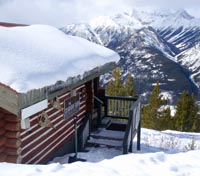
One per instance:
[(39, 55), (104, 133)]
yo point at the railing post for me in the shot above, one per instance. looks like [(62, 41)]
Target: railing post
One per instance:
[(99, 114), (139, 127), (138, 135), (106, 106), (132, 114)]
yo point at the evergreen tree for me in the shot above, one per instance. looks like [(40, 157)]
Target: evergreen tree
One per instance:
[(151, 113), (196, 124), (166, 120), (115, 86), (186, 113), (129, 86)]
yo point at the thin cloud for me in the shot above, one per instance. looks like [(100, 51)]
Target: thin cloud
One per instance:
[(63, 12)]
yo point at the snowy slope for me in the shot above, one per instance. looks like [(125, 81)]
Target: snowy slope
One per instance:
[(118, 20), (84, 31), (180, 18), (179, 28), (191, 60), (149, 16), (162, 153), (38, 55)]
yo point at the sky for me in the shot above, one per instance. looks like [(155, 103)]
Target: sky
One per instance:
[(63, 12)]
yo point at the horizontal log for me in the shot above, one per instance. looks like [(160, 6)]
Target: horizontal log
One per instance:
[(55, 118), (13, 143), (2, 141), (12, 151), (3, 157), (2, 131), (2, 123), (30, 158), (12, 134), (40, 139), (13, 126), (11, 118), (44, 159), (37, 134), (2, 148), (37, 127), (13, 159), (1, 114)]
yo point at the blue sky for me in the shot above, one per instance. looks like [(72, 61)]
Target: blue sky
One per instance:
[(63, 12)]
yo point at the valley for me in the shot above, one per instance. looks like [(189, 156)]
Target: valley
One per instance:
[(153, 46)]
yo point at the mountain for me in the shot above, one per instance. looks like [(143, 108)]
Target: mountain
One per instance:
[(148, 44), (84, 31), (182, 31), (179, 29), (190, 59)]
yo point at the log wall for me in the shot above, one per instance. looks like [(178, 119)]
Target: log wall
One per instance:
[(37, 144), (10, 143)]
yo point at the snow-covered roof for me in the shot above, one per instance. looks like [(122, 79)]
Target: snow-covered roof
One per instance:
[(35, 56)]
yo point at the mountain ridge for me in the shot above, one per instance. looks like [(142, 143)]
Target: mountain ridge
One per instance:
[(147, 51)]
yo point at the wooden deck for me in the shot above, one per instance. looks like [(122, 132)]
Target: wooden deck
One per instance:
[(109, 138), (120, 123)]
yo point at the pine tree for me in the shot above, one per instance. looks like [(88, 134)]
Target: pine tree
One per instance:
[(151, 114), (186, 113), (115, 86), (166, 120), (194, 115), (129, 86), (196, 124)]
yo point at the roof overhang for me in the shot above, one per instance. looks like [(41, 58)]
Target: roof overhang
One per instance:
[(9, 99), (14, 102)]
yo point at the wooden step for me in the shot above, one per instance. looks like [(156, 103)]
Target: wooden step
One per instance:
[(106, 142), (102, 133), (117, 127)]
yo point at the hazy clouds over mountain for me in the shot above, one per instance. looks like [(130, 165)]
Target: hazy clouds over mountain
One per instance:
[(62, 12)]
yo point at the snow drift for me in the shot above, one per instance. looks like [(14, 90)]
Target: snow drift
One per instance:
[(38, 55)]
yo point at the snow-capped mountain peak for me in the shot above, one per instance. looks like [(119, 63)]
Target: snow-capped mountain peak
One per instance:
[(181, 13), (180, 18), (102, 21), (118, 20), (148, 16), (127, 20)]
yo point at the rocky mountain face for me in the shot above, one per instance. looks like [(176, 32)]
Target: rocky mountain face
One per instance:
[(154, 46)]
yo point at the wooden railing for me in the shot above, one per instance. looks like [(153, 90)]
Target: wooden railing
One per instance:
[(133, 127), (118, 107), (127, 109)]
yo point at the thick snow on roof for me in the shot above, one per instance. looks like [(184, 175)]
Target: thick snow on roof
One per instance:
[(38, 55)]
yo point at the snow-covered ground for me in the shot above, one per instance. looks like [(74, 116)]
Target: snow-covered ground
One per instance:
[(162, 153)]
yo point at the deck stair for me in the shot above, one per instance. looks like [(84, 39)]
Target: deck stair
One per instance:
[(119, 124), (105, 136)]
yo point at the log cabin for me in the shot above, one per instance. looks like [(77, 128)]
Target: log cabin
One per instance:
[(48, 80)]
